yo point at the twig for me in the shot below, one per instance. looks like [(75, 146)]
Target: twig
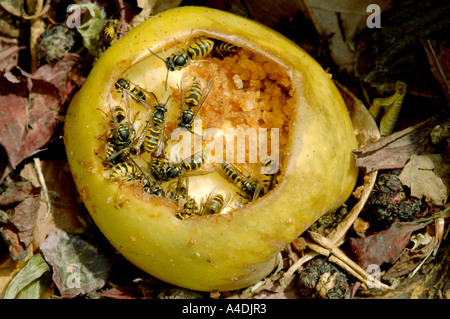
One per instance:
[(37, 165), (344, 261), (337, 235), (438, 65)]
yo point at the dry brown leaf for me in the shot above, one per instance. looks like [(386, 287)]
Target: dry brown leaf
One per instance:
[(27, 118), (384, 246), (9, 54), (395, 150), (30, 108), (64, 208), (18, 232), (427, 175)]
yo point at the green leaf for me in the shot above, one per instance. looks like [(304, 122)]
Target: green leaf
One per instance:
[(26, 282)]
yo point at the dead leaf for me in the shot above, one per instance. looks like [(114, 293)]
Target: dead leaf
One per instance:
[(65, 75), (78, 268), (64, 208), (27, 117), (9, 54), (384, 246), (427, 175), (116, 293), (395, 150), (15, 193), (18, 232), (29, 109)]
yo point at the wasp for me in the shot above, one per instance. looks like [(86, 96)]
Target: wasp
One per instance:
[(110, 33), (223, 48), (136, 92), (192, 97), (270, 176), (197, 49), (111, 158), (123, 171), (158, 168), (122, 136), (153, 140), (215, 203), (250, 187), (180, 193), (190, 208), (151, 187), (186, 167), (123, 131)]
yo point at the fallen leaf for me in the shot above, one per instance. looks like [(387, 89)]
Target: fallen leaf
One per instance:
[(385, 246), (64, 210), (9, 54), (65, 75), (29, 109), (395, 150), (16, 193), (18, 232), (27, 118), (427, 175), (8, 269), (78, 268), (116, 293), (27, 280)]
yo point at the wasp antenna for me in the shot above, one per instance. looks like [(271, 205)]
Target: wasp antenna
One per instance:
[(167, 101), (157, 55), (167, 78)]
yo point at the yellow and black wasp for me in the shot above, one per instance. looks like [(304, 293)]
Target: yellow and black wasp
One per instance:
[(180, 194), (249, 187), (192, 99), (111, 31), (271, 171), (120, 140), (158, 167), (154, 130), (197, 49), (222, 48), (190, 208), (215, 203), (152, 187), (124, 171), (136, 92), (187, 166)]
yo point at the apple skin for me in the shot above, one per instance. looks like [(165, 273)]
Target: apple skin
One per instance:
[(227, 251)]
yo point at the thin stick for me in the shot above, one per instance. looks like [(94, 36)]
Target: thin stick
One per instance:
[(37, 166)]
